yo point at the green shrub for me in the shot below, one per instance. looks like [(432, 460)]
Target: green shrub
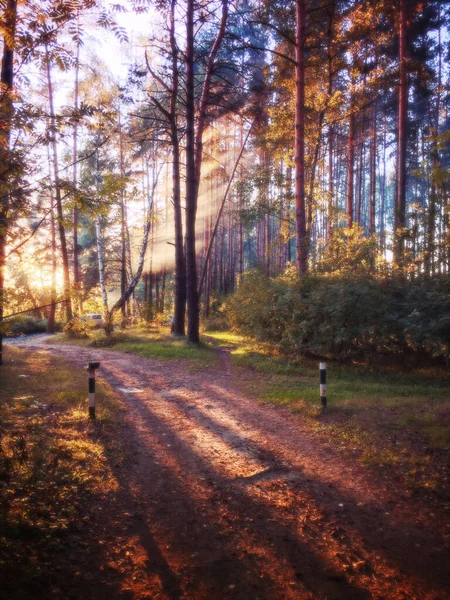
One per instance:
[(24, 325), (353, 313), (426, 318), (78, 328)]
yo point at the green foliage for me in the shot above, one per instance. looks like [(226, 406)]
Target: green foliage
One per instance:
[(353, 313), (427, 316), (78, 328), (24, 325), (350, 250)]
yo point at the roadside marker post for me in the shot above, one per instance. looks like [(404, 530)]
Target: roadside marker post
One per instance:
[(93, 366), (323, 383)]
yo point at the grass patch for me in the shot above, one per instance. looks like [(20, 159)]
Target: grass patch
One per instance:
[(158, 344), (54, 463), (257, 356), (388, 418)]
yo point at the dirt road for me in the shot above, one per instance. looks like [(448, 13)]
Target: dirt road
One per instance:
[(227, 498)]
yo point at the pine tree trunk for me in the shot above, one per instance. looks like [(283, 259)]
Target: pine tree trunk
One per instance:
[(123, 227), (179, 317), (300, 214), (75, 251), (350, 166), (6, 115), (373, 172), (101, 265), (191, 185), (52, 308), (400, 204), (58, 198), (194, 155), (330, 211), (163, 291)]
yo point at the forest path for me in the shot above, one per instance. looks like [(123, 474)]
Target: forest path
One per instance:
[(228, 498)]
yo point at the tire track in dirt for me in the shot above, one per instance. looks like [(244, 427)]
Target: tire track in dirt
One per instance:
[(236, 501)]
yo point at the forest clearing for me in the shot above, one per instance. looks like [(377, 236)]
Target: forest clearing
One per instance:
[(203, 478), (224, 299)]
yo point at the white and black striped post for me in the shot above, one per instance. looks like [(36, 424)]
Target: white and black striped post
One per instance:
[(323, 383), (91, 374)]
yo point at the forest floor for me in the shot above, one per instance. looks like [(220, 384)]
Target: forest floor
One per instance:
[(209, 493)]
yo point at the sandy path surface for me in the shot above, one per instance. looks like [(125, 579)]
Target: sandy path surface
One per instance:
[(229, 498)]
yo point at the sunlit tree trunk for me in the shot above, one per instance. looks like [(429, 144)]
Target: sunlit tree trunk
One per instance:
[(6, 114), (330, 211), (373, 172), (351, 165), (101, 264), (179, 316), (76, 253), (52, 308), (330, 207), (194, 155), (300, 211), (123, 225), (400, 203), (58, 198)]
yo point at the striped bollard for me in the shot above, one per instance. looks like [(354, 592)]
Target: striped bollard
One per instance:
[(91, 374), (323, 384)]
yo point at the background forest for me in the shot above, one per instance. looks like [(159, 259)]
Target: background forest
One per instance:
[(281, 166)]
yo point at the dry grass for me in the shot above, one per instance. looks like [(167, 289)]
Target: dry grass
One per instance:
[(53, 463)]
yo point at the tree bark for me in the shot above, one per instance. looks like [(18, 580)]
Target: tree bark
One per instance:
[(101, 264), (123, 227), (400, 204), (373, 172), (58, 198), (75, 252), (194, 155), (6, 115), (179, 316), (350, 166), (300, 214)]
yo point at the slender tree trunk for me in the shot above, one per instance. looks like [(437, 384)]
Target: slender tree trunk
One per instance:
[(163, 291), (193, 334), (52, 309), (289, 208), (6, 115), (58, 198), (360, 197), (194, 155), (76, 254), (179, 316), (312, 180), (400, 204), (351, 165), (373, 172), (101, 264), (300, 209), (330, 210), (123, 227)]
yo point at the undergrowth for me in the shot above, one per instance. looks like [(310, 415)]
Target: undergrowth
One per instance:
[(53, 460)]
